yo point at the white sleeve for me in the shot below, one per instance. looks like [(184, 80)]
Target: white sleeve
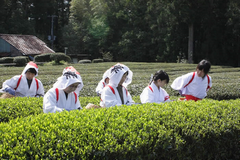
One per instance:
[(129, 100), (99, 88), (40, 90), (109, 98), (50, 102), (166, 95), (210, 84), (12, 83), (180, 82), (147, 96)]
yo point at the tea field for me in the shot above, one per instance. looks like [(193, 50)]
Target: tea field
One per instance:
[(207, 129), (226, 80)]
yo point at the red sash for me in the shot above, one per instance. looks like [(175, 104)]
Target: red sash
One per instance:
[(190, 97)]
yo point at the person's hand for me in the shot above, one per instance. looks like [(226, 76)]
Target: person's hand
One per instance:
[(39, 95), (180, 92), (10, 90)]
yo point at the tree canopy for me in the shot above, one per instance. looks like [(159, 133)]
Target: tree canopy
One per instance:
[(154, 30)]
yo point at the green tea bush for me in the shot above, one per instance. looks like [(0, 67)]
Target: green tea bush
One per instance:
[(54, 63), (97, 60), (6, 60), (85, 61), (205, 129), (57, 57), (224, 91), (21, 60), (18, 107), (43, 57)]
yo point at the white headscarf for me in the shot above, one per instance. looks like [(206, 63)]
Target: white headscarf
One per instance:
[(30, 65), (72, 69), (116, 74), (129, 76), (106, 74), (66, 80)]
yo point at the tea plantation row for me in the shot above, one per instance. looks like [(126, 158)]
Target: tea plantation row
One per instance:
[(206, 129), (225, 79)]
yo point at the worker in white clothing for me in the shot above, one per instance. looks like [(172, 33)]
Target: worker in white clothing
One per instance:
[(154, 93), (115, 93), (25, 85), (63, 96), (104, 81), (194, 85), (128, 79), (72, 69)]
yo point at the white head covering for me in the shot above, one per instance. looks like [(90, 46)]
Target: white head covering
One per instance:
[(129, 76), (116, 74), (106, 74), (30, 65), (72, 69), (66, 80)]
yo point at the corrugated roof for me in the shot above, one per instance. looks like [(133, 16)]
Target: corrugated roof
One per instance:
[(27, 44)]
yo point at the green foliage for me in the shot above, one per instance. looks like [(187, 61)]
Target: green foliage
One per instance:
[(21, 60), (205, 129), (54, 63), (18, 107), (6, 60), (57, 57), (99, 28), (97, 60), (107, 56), (150, 30), (43, 57), (131, 30), (85, 61)]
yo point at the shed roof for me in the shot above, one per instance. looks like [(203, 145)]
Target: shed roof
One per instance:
[(27, 44)]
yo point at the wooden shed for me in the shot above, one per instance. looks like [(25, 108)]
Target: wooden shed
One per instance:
[(12, 45)]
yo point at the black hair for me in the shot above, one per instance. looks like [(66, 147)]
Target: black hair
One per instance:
[(204, 65), (31, 70), (160, 75)]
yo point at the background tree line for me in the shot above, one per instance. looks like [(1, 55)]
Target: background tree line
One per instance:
[(132, 30)]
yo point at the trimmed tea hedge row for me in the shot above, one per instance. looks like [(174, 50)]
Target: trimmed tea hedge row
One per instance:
[(18, 107), (47, 57), (205, 129), (6, 60)]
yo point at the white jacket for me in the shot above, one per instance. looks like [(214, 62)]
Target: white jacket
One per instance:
[(197, 88), (151, 94), (100, 87), (52, 105), (111, 97), (23, 90), (54, 101)]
